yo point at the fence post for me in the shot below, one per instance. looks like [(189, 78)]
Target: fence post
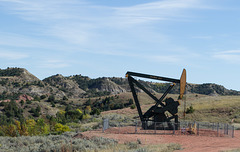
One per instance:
[(155, 127), (145, 123), (224, 129), (232, 131), (227, 129), (198, 129), (136, 127), (221, 129), (174, 128), (105, 124), (217, 129), (118, 127), (145, 126), (163, 124)]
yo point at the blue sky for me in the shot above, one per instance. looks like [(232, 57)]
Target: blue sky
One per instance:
[(107, 38)]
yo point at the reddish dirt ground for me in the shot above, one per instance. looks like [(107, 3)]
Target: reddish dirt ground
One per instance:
[(190, 143)]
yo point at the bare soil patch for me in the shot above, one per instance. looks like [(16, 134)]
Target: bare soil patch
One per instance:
[(189, 143)]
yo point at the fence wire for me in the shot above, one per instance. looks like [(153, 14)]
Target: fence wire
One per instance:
[(169, 128)]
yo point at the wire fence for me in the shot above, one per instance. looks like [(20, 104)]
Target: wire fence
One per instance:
[(169, 128)]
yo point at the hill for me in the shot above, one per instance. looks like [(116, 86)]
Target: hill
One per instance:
[(19, 81)]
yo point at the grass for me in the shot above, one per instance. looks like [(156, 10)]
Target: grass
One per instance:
[(209, 102), (223, 109), (134, 147), (232, 150)]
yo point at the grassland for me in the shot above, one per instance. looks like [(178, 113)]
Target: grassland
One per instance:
[(214, 108), (224, 109)]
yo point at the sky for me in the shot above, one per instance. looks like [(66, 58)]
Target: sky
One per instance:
[(107, 38)]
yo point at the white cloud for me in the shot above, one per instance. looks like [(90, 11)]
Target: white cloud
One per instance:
[(40, 10), (55, 14), (53, 63), (11, 55), (13, 41), (231, 56), (165, 58), (156, 11), (92, 28), (145, 56), (71, 33), (17, 40)]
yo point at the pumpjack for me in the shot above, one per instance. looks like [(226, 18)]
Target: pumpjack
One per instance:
[(158, 113)]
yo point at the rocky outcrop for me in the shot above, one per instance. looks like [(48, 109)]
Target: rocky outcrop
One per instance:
[(67, 86), (104, 84), (210, 89), (24, 98)]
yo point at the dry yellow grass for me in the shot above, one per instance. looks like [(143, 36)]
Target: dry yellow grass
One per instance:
[(207, 108)]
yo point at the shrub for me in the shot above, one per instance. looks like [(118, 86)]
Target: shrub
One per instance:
[(31, 126), (133, 106), (11, 130), (53, 104), (37, 98), (41, 127), (132, 145), (51, 98), (78, 110), (65, 98), (88, 109), (61, 128), (73, 115), (60, 117), (29, 102), (60, 143), (190, 110), (11, 110), (2, 103), (96, 111), (130, 101), (43, 96), (3, 119), (86, 116)]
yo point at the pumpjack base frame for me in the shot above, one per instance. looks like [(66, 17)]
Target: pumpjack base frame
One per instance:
[(151, 125)]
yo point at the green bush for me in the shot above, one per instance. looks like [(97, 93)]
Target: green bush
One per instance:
[(95, 111), (190, 110), (29, 102), (51, 98), (61, 128), (132, 145), (133, 106), (11, 72), (130, 101), (43, 96)]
